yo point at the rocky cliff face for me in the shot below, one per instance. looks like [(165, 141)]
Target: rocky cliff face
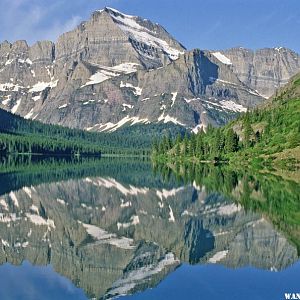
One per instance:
[(117, 69), (264, 70)]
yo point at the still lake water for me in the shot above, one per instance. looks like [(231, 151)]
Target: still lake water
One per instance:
[(111, 228)]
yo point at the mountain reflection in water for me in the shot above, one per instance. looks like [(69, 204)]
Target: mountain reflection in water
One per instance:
[(115, 227)]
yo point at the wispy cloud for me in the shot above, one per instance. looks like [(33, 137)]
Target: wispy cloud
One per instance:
[(42, 19), (58, 28), (213, 28)]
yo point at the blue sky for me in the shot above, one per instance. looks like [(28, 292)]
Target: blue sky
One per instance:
[(205, 24)]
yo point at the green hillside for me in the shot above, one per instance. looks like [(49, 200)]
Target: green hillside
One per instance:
[(266, 135)]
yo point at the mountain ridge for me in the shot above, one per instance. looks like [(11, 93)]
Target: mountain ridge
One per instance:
[(115, 70)]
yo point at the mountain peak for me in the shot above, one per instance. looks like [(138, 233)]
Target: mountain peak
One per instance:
[(117, 69), (114, 11), (150, 41)]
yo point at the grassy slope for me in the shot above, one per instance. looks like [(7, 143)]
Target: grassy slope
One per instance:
[(282, 145)]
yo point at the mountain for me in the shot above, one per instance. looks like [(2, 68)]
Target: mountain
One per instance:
[(116, 70), (264, 70)]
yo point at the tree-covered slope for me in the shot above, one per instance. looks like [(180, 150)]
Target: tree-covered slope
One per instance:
[(18, 135), (268, 133)]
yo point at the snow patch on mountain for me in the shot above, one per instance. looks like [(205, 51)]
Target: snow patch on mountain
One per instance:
[(41, 85), (5, 243), (104, 73), (111, 127), (218, 256), (167, 119), (229, 209), (130, 26), (199, 127), (110, 183), (137, 90), (14, 199), (225, 105), (222, 58), (230, 105), (61, 201), (27, 190), (7, 100), (88, 102), (125, 204), (99, 77), (171, 214), (103, 237), (167, 193), (130, 279), (127, 119), (125, 68), (38, 220), (63, 106), (23, 61), (134, 220), (36, 98), (29, 115), (8, 62), (174, 96), (3, 204), (16, 106)]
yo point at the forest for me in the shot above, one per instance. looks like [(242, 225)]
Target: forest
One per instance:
[(18, 135), (257, 135)]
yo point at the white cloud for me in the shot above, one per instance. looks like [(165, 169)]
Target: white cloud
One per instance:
[(34, 20), (58, 28)]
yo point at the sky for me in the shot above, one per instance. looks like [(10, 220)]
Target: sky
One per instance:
[(204, 24)]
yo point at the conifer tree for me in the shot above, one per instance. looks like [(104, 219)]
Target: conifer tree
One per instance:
[(231, 141), (247, 130)]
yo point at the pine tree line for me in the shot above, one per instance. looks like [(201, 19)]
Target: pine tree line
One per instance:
[(18, 135), (260, 131)]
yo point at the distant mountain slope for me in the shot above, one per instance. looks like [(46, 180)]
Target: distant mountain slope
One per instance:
[(264, 70), (19, 135), (115, 70)]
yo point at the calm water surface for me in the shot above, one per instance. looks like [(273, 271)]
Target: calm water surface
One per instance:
[(111, 228)]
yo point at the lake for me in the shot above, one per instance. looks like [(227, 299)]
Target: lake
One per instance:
[(109, 228)]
